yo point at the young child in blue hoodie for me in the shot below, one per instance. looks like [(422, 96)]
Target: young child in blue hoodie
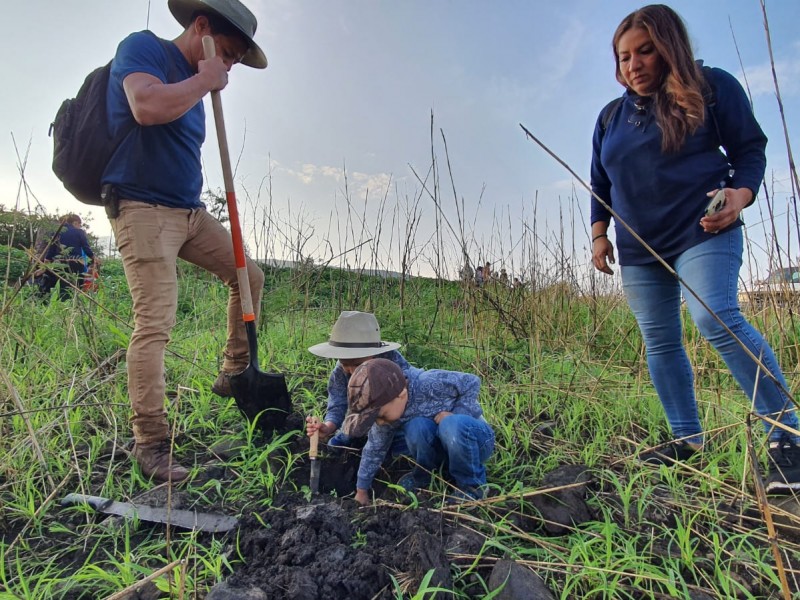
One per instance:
[(437, 411)]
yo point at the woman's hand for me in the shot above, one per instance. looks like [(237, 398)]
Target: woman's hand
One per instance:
[(735, 201), (603, 254), (362, 497), (313, 425)]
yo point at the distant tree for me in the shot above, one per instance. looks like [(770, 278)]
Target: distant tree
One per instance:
[(17, 228), (13, 264), (26, 231), (216, 204)]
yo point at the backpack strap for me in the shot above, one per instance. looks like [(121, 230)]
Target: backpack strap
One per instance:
[(608, 112), (172, 72), (172, 77), (710, 100)]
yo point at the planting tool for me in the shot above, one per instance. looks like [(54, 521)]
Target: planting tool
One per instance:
[(262, 397), (185, 519), (312, 455)]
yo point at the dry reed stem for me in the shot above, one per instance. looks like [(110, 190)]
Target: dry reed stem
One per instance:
[(766, 512), (31, 432), (38, 512), (778, 98), (128, 591)]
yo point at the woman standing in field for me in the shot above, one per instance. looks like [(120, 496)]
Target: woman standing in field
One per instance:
[(656, 159)]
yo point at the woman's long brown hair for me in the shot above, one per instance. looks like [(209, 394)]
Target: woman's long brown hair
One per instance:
[(678, 102)]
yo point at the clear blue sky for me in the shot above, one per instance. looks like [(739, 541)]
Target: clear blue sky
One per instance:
[(354, 82)]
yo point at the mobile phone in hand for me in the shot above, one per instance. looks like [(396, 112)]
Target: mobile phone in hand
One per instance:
[(717, 203)]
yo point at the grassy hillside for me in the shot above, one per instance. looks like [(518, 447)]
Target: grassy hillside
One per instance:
[(564, 382)]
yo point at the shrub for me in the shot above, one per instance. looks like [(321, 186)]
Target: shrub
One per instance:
[(14, 264)]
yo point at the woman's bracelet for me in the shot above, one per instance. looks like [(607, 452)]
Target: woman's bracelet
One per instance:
[(598, 236)]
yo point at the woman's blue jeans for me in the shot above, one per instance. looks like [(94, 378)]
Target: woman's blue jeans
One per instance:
[(466, 443), (711, 269)]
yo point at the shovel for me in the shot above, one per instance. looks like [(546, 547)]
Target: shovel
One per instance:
[(262, 397), (185, 519), (312, 455)]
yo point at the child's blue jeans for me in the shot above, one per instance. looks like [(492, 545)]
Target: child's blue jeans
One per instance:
[(466, 443)]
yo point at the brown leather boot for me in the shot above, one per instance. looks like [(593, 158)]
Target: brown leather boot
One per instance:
[(222, 385), (157, 462)]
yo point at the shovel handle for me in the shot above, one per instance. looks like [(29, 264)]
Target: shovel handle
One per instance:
[(314, 445), (210, 51)]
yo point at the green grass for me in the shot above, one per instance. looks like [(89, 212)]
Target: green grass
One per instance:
[(556, 357)]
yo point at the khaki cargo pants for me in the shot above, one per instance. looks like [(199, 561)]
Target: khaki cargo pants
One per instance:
[(150, 239)]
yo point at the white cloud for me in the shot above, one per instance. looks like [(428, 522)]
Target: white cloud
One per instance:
[(333, 172), (760, 81), (358, 183), (374, 183)]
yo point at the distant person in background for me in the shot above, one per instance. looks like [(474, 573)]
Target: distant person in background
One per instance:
[(354, 340), (657, 162), (71, 251), (479, 278), (518, 285), (503, 278), (91, 274), (487, 272)]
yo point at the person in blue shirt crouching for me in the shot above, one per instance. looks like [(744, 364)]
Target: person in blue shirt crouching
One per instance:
[(439, 413)]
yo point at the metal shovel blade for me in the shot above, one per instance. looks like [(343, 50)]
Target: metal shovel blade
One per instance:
[(185, 519), (312, 454), (314, 482), (262, 397)]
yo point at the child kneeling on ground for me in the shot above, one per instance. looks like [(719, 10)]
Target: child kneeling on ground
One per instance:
[(439, 413)]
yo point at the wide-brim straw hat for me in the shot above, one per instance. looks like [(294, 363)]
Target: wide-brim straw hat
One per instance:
[(233, 11), (354, 335)]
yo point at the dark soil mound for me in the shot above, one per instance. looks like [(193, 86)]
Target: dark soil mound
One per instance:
[(335, 549), (327, 546)]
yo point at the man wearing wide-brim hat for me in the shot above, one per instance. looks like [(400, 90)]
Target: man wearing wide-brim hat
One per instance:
[(153, 185), (355, 339)]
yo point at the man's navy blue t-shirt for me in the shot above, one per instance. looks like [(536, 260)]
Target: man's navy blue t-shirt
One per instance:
[(159, 164)]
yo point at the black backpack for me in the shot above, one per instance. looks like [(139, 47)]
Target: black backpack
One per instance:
[(82, 146)]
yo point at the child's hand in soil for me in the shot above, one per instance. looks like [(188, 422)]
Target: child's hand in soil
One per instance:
[(362, 497)]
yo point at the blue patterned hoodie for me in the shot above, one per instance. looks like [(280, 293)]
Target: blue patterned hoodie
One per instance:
[(429, 393)]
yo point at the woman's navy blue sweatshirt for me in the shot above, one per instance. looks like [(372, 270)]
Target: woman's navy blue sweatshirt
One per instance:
[(663, 196)]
